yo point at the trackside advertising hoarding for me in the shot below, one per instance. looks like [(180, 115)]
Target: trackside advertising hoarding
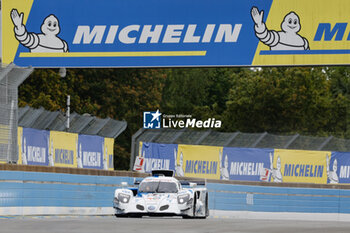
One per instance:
[(246, 164), (34, 146), (62, 149), (163, 33), (153, 156)]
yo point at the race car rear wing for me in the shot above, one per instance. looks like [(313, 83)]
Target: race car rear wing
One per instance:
[(169, 173), (189, 182)]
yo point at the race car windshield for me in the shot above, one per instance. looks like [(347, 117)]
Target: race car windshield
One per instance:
[(158, 187)]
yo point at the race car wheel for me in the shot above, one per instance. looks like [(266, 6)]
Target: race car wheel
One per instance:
[(194, 205), (193, 209), (206, 208), (206, 205)]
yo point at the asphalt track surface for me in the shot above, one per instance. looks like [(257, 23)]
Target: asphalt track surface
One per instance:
[(170, 225)]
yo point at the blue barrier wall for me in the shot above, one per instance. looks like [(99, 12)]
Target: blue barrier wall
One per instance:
[(278, 199), (55, 189), (33, 189)]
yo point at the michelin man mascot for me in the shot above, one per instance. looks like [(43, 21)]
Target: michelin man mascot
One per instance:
[(332, 174), (224, 169), (179, 171), (80, 157), (105, 155), (50, 155), (45, 42), (287, 39), (276, 172)]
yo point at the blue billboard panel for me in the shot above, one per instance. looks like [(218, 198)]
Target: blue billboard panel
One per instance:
[(137, 33), (154, 156), (248, 164), (163, 33), (90, 152), (35, 147), (338, 168)]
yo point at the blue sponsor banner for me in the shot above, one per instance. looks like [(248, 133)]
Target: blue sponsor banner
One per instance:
[(137, 33), (245, 163), (156, 156), (35, 147), (338, 168), (90, 152)]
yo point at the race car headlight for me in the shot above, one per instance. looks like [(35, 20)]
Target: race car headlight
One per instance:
[(183, 199), (123, 198)]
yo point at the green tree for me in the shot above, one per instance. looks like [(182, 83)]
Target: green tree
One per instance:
[(284, 100), (121, 94), (202, 92), (303, 100)]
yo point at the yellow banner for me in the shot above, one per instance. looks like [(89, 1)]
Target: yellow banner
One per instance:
[(19, 143), (9, 43), (198, 161), (108, 154), (316, 30), (300, 166), (63, 149)]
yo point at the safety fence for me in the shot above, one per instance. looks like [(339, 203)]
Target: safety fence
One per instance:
[(10, 78), (62, 149), (42, 119), (236, 139), (246, 164), (44, 193), (33, 120)]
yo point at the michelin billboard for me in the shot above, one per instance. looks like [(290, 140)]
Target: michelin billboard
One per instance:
[(115, 33), (62, 149), (246, 164)]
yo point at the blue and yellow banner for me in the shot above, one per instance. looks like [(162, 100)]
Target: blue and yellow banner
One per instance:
[(91, 152), (198, 161), (338, 168), (63, 149), (116, 33), (34, 145), (154, 156), (108, 154), (246, 164), (20, 143), (184, 160), (54, 148), (299, 166)]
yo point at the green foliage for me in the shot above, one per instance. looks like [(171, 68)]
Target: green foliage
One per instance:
[(283, 100), (121, 94), (201, 92), (304, 100)]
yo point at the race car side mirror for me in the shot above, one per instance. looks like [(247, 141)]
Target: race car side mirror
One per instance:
[(124, 184)]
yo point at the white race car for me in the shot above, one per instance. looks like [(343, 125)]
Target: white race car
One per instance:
[(162, 195)]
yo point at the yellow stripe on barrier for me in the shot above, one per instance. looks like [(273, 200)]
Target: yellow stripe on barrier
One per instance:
[(118, 54)]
